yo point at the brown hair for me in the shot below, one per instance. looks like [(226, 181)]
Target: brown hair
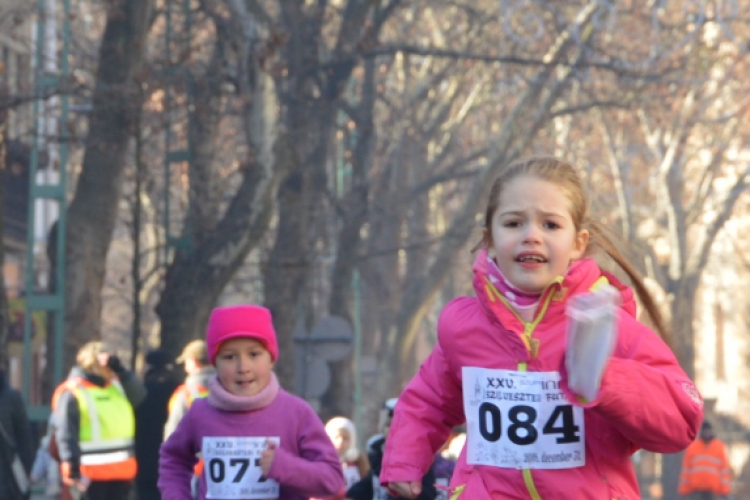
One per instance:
[(565, 177)]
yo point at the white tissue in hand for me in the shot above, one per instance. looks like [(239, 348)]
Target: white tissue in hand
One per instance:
[(591, 338)]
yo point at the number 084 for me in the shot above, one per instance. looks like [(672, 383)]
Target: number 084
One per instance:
[(522, 430)]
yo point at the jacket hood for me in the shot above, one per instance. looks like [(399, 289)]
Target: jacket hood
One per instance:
[(580, 277)]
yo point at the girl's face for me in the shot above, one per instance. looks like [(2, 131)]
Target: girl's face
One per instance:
[(341, 439), (534, 239), (243, 366)]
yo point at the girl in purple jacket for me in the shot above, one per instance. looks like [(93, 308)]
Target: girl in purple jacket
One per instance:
[(256, 440), (500, 361)]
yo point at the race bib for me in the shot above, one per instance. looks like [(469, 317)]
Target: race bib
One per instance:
[(232, 468), (521, 420)]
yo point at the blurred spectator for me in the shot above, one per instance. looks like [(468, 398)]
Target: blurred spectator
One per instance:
[(160, 380), (94, 425), (706, 474), (343, 434), (369, 488), (16, 450), (199, 371)]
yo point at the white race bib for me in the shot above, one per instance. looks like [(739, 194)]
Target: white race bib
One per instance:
[(521, 420), (232, 468)]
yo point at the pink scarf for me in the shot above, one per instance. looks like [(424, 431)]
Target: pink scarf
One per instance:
[(515, 297), (222, 399)]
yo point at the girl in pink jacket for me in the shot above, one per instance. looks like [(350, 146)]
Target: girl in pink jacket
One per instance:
[(499, 364)]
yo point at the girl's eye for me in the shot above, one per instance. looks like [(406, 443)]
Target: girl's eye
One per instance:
[(551, 225), (228, 357), (511, 223)]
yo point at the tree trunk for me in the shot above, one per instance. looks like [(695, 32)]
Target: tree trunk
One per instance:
[(196, 278), (683, 337), (338, 399), (287, 268), (92, 213)]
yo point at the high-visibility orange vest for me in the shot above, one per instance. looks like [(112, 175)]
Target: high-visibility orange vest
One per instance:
[(192, 392), (107, 429), (705, 468)]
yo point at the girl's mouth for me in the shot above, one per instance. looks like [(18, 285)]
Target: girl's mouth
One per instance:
[(531, 259)]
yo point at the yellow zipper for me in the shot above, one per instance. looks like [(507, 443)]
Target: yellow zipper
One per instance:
[(527, 478), (532, 345)]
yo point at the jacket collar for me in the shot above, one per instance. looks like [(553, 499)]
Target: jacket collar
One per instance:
[(581, 276)]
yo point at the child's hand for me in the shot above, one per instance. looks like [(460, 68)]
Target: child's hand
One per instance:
[(408, 490), (266, 459)]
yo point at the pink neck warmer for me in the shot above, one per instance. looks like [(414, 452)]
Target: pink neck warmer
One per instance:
[(222, 399), (515, 297)]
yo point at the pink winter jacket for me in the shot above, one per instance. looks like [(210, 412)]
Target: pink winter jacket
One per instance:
[(645, 401)]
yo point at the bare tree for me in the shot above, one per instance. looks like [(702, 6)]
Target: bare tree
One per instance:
[(93, 210)]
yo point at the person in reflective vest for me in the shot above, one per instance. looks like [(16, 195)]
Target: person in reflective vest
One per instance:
[(94, 425), (199, 371), (706, 474)]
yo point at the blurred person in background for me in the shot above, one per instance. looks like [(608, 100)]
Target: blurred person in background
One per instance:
[(354, 463), (16, 450), (160, 380), (369, 488), (94, 425), (705, 474), (199, 371)]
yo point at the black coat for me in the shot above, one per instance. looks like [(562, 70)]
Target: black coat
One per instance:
[(150, 418), (15, 422)]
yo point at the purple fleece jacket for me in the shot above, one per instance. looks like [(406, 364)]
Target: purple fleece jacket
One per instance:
[(306, 463)]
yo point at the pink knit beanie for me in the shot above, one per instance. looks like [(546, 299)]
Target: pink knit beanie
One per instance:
[(240, 321)]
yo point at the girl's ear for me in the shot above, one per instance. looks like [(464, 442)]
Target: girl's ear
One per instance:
[(580, 244)]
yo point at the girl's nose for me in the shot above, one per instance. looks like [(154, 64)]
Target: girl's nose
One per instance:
[(243, 364), (533, 234)]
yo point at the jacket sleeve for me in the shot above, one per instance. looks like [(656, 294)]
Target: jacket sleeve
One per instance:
[(427, 410), (134, 389), (317, 470), (645, 394), (67, 430), (177, 457)]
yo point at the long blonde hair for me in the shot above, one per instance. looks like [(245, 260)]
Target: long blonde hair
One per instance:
[(565, 177)]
